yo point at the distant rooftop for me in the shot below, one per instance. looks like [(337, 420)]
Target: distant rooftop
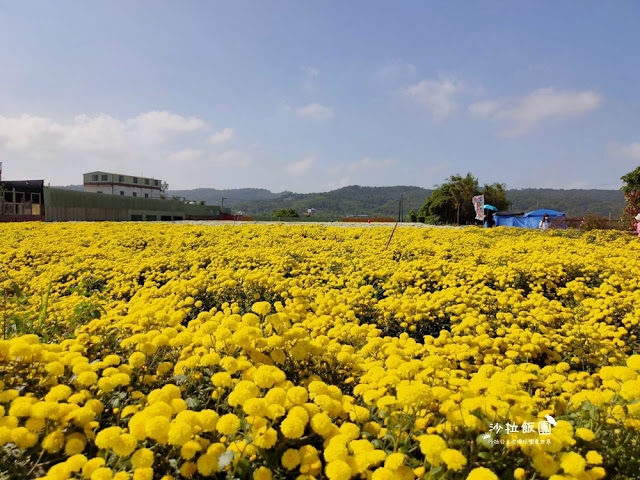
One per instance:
[(100, 178), (100, 172)]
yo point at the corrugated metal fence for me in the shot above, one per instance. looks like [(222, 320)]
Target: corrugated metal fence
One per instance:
[(67, 205)]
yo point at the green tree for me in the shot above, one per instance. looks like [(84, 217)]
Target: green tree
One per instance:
[(285, 213), (496, 195), (631, 190), (451, 202), (413, 216), (631, 181)]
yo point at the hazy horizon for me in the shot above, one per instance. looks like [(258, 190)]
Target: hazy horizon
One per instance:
[(310, 97), (171, 189)]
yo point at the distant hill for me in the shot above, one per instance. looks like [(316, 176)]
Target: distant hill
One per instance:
[(352, 200), (383, 201), (574, 203), (231, 197)]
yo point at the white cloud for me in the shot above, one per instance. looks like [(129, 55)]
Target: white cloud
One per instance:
[(368, 163), (233, 158), (158, 144), (334, 184), (362, 165), (310, 76), (484, 109), (336, 169), (299, 167), (21, 132), (222, 136), (312, 72), (532, 109), (365, 171), (185, 156), (631, 151), (158, 126), (437, 96), (396, 69), (101, 132), (316, 111), (98, 133)]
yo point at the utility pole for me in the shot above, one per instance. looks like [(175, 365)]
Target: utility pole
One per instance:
[(401, 208)]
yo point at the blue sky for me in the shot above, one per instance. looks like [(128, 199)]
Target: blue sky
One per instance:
[(309, 96)]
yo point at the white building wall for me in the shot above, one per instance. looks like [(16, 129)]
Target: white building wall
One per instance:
[(115, 189), (105, 188), (140, 191)]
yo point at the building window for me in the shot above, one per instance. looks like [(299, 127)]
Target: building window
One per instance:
[(152, 218), (121, 178), (165, 218), (136, 218), (146, 181), (135, 194), (121, 192), (146, 195), (94, 178), (135, 179), (104, 178), (98, 191), (156, 183)]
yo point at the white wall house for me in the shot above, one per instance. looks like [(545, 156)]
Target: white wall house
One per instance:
[(124, 185)]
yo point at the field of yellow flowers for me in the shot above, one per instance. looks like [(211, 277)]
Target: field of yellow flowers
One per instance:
[(157, 351)]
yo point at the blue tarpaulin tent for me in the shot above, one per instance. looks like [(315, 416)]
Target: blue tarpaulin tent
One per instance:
[(530, 219), (509, 219), (557, 218)]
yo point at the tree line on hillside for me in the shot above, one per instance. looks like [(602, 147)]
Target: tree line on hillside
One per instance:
[(574, 203), (343, 202)]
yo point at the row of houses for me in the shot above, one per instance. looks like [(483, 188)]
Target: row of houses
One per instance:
[(105, 197)]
